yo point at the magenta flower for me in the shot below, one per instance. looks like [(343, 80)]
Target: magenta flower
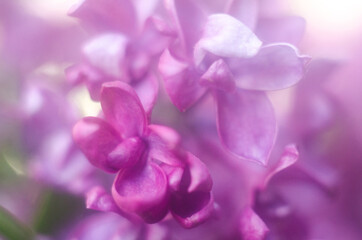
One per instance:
[(153, 174), (221, 55)]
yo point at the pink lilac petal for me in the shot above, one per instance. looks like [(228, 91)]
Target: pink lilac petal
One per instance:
[(98, 199), (225, 36), (246, 11), (143, 191), (147, 90), (289, 157), (106, 52), (96, 139), (168, 135), (127, 153), (92, 77), (123, 109), (142, 50), (145, 9), (151, 40), (192, 209), (74, 74), (218, 76), (189, 20), (138, 62), (174, 176), (246, 124), (106, 15), (162, 26), (288, 29), (163, 142), (276, 66), (59, 163), (199, 174), (181, 82), (252, 226)]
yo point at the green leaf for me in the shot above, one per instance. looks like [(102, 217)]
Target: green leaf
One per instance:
[(12, 228)]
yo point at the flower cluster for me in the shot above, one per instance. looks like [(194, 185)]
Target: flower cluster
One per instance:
[(153, 174), (195, 52), (174, 119)]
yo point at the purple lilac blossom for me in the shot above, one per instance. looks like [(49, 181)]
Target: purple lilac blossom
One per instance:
[(47, 118), (124, 46), (161, 70), (221, 54), (153, 176)]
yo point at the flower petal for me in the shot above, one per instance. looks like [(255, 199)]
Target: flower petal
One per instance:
[(218, 76), (289, 29), (189, 20), (142, 191), (275, 67), (96, 139), (163, 142), (288, 158), (246, 124), (147, 90), (98, 199), (192, 209), (123, 109), (252, 226), (106, 15), (174, 176), (225, 36), (91, 76), (128, 153), (181, 82), (200, 179), (106, 52), (245, 11)]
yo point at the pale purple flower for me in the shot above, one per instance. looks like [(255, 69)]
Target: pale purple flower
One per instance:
[(153, 174), (46, 119), (127, 42), (219, 54), (313, 199), (211, 54)]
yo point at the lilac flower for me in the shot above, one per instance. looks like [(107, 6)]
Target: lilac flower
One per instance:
[(221, 55), (154, 175), (46, 119), (125, 46), (308, 201)]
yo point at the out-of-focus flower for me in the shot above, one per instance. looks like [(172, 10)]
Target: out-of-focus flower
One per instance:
[(154, 175), (125, 47), (112, 226), (308, 201), (46, 118), (221, 55)]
